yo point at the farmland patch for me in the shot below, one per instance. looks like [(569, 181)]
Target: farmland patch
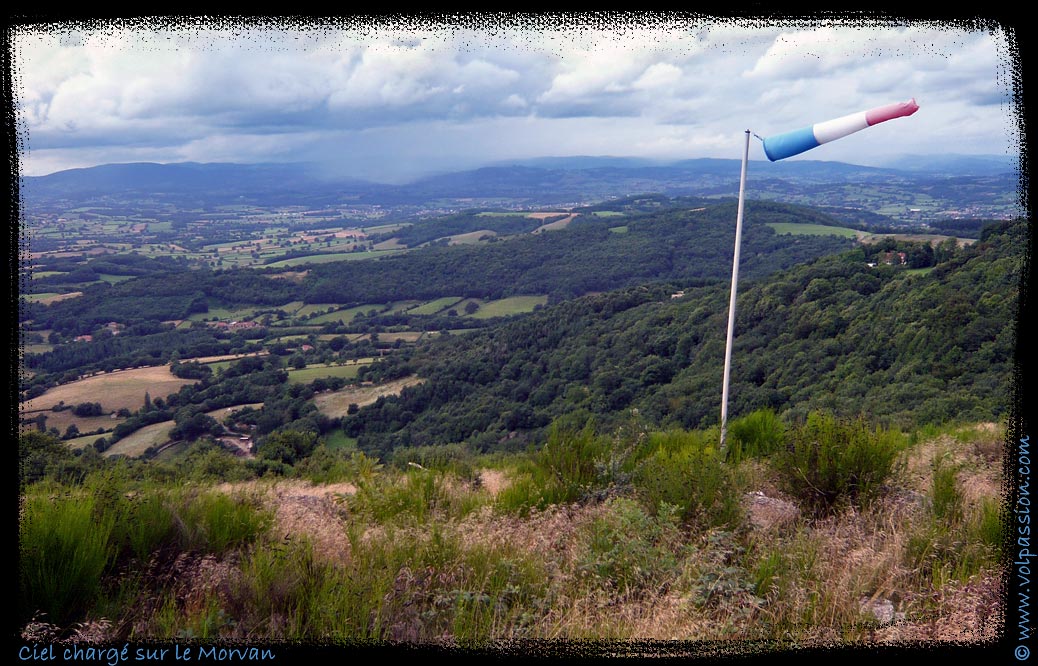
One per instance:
[(337, 404), (136, 443), (114, 390), (811, 229), (509, 306)]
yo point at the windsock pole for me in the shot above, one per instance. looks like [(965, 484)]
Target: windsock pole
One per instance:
[(779, 147), (731, 300)]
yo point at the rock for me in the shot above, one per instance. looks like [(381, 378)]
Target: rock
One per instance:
[(768, 512), (881, 609)]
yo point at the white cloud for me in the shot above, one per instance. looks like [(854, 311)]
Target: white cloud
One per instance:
[(675, 90)]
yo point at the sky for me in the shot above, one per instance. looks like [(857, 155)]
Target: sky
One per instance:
[(399, 99)]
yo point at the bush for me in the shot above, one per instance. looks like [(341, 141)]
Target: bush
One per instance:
[(758, 434), (577, 461), (829, 462), (686, 471), (444, 457), (631, 551), (569, 467)]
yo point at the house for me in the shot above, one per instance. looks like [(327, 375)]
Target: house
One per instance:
[(892, 258)]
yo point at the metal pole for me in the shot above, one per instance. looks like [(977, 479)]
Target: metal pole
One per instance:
[(731, 302)]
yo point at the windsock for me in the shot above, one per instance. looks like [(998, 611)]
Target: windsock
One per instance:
[(792, 143)]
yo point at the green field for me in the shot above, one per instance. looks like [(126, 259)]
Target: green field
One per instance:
[(113, 279), (618, 230), (310, 373), (401, 306), (236, 314), (333, 257), (384, 228), (508, 306), (313, 308), (135, 444), (292, 307), (607, 213), (218, 366), (432, 307), (919, 271), (811, 229), (337, 439), (80, 442), (471, 237), (344, 316), (36, 298)]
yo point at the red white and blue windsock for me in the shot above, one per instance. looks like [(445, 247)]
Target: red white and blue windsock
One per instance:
[(792, 143)]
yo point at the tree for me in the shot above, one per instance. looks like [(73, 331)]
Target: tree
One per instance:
[(39, 454), (287, 446)]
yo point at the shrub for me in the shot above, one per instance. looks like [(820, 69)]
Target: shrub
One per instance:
[(575, 460), (445, 457), (686, 471), (570, 466), (828, 462), (758, 434), (631, 551)]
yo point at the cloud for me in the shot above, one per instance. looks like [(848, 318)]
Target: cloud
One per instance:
[(682, 89)]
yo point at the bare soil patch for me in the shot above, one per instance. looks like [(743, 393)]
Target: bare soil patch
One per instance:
[(336, 404), (305, 510)]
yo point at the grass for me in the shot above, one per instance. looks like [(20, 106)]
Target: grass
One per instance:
[(427, 554), (337, 439), (70, 538), (471, 237), (344, 316), (114, 390), (332, 257), (49, 297), (508, 306), (438, 305), (798, 229), (336, 404), (221, 313), (139, 441), (113, 279), (63, 419), (64, 549), (310, 373)]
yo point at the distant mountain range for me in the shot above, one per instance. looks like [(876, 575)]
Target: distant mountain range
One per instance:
[(541, 181)]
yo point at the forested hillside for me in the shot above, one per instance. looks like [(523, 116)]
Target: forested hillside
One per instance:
[(836, 334), (670, 243)]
